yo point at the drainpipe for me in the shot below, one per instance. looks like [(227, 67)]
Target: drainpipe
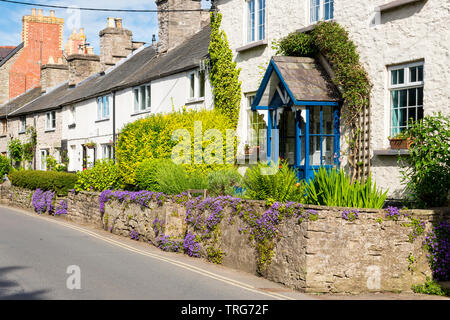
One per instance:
[(114, 126)]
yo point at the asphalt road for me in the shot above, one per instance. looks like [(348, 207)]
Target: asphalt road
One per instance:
[(37, 252)]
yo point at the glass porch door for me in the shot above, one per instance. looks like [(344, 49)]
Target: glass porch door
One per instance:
[(309, 139)]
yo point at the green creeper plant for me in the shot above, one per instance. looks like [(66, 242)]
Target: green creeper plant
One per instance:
[(224, 75)]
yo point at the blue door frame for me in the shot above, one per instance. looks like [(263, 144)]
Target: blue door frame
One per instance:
[(303, 136)]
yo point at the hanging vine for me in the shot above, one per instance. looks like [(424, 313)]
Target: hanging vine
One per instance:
[(224, 74), (332, 41)]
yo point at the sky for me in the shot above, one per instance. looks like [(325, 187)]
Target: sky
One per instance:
[(143, 25)]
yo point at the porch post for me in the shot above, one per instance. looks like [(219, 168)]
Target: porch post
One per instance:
[(307, 175)]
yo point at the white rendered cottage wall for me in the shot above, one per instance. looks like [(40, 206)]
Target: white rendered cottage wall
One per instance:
[(167, 94), (415, 32)]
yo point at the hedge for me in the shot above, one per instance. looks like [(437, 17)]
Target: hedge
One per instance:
[(60, 182), (151, 138)]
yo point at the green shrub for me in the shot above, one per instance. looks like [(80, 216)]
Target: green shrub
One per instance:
[(426, 170), (431, 287), (223, 182), (334, 188), (146, 178), (104, 175), (296, 45), (281, 186), (173, 178), (60, 182), (5, 165), (151, 138)]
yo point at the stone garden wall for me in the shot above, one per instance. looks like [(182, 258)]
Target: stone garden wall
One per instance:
[(325, 255)]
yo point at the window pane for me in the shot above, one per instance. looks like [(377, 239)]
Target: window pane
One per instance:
[(314, 120), (395, 121), (420, 96), (394, 77), (201, 79), (314, 12), (403, 120), (99, 107), (192, 79), (413, 74), (401, 76), (251, 20), (403, 98), (136, 100), (412, 116), (328, 123), (262, 20), (420, 73), (143, 99), (328, 151), (412, 97), (328, 9), (419, 113), (149, 97), (53, 119)]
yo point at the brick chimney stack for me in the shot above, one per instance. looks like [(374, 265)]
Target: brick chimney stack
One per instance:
[(42, 37), (115, 43), (176, 27)]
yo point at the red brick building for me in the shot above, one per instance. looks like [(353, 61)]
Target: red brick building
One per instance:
[(43, 38)]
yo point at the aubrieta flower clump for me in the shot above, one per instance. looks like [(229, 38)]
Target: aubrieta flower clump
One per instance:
[(191, 246), (61, 208), (393, 213), (43, 201), (142, 198), (134, 235), (350, 215), (437, 242), (169, 244)]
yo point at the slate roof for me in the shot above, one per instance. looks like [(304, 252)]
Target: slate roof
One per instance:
[(142, 67), (19, 101), (306, 79), (10, 54), (5, 50)]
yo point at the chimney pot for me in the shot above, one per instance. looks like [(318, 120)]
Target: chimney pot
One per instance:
[(52, 13), (118, 22), (40, 12), (110, 23), (33, 11)]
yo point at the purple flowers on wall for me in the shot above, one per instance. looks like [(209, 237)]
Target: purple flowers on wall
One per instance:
[(43, 201), (438, 244)]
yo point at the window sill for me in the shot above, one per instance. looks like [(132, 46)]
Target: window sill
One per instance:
[(312, 26), (394, 5), (141, 112), (102, 120), (391, 152), (195, 100), (50, 130), (252, 45)]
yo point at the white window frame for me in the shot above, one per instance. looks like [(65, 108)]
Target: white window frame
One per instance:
[(50, 120), (142, 98), (107, 151), (321, 13), (256, 22), (103, 110), (407, 84), (194, 85)]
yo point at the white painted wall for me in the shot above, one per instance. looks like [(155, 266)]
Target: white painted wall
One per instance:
[(407, 34), (167, 94)]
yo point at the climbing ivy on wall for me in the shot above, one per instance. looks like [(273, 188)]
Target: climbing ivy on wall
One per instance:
[(332, 41), (224, 75)]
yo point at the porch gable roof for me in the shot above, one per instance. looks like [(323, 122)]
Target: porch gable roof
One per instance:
[(304, 80)]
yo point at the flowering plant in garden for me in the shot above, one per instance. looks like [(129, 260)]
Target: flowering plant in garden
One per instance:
[(134, 235), (350, 215), (191, 246), (437, 242), (61, 208), (169, 244), (393, 213), (43, 201)]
